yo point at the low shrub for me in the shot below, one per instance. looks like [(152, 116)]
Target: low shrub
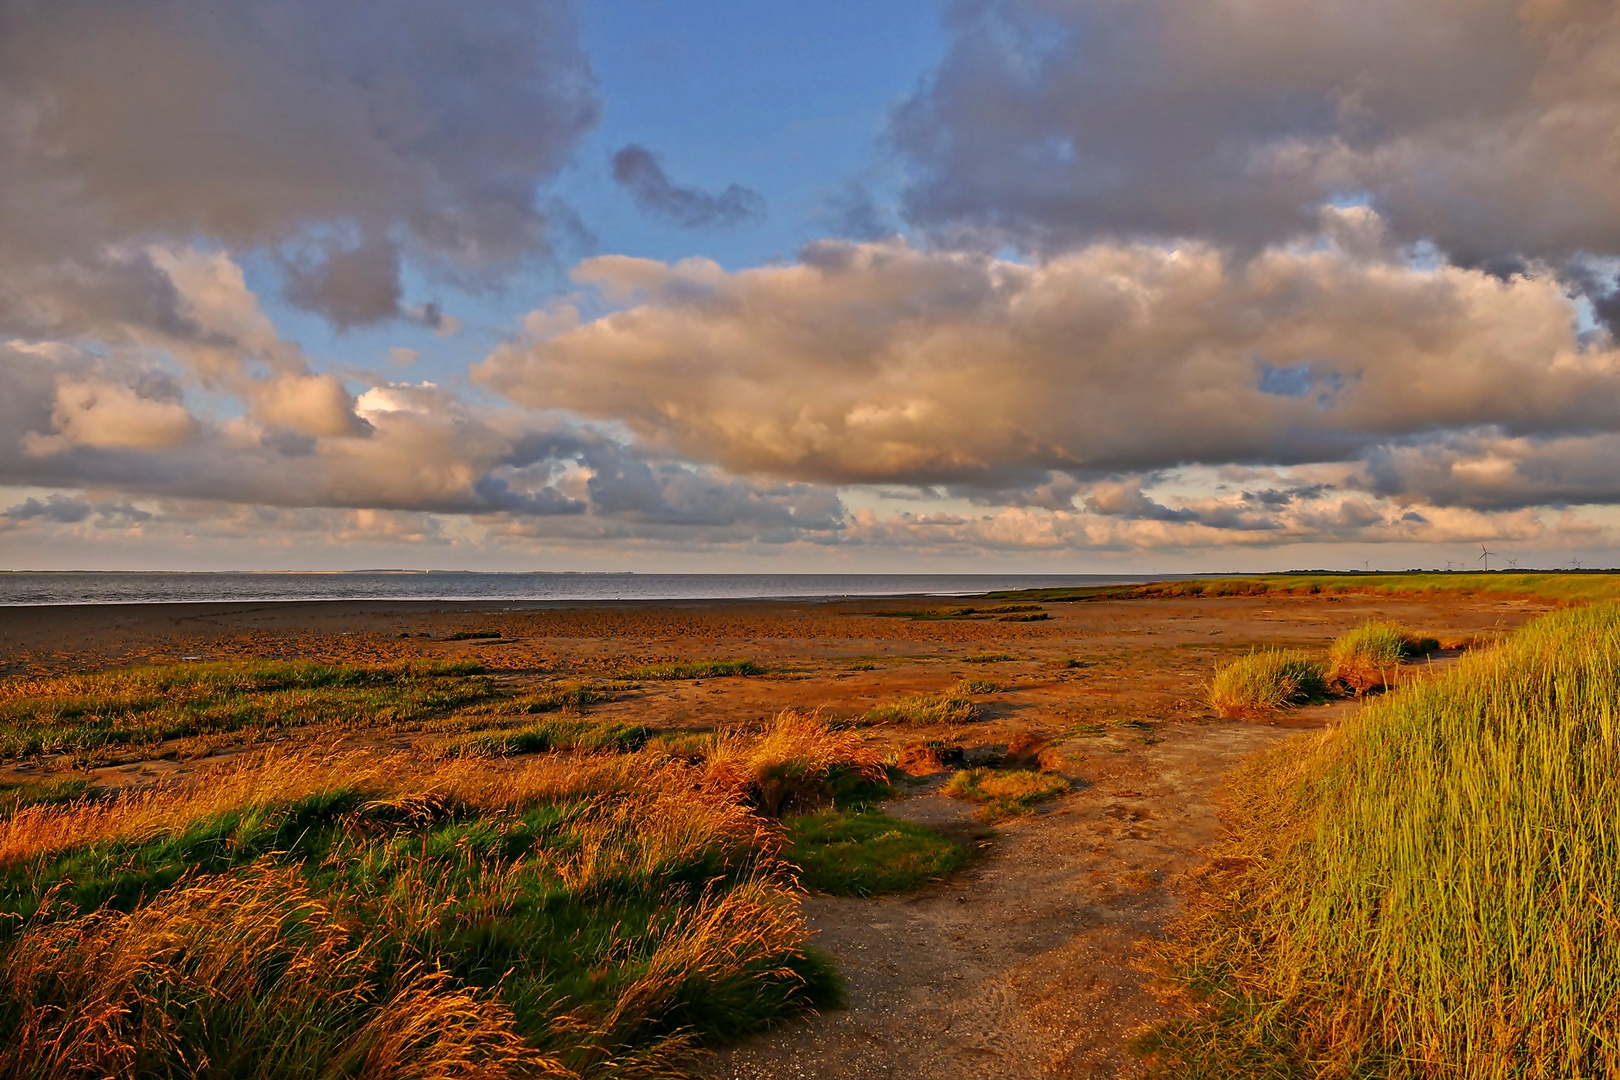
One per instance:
[(1005, 793), (977, 686), (1264, 681), (988, 658)]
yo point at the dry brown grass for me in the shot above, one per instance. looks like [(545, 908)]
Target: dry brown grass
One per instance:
[(144, 993), (789, 762)]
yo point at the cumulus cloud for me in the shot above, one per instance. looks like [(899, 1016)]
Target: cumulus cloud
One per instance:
[(110, 416), (1484, 126), (883, 363), (636, 169), (346, 140)]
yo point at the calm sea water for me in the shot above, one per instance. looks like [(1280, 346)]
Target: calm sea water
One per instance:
[(107, 587)]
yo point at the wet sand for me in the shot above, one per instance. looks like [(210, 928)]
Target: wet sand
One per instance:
[(1024, 965)]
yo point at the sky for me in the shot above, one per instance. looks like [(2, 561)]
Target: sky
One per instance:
[(1050, 286)]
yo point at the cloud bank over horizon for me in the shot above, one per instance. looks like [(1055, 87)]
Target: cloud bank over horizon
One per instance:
[(1174, 284)]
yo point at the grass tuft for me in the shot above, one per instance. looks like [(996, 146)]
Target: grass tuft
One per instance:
[(1265, 681), (988, 658), (695, 669), (977, 686), (1369, 657), (1005, 794), (945, 708)]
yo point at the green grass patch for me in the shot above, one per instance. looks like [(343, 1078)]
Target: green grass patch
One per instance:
[(694, 669), (1265, 681), (988, 658), (1007, 793), (1426, 890), (977, 686), (945, 708), (866, 852), (104, 712), (555, 734)]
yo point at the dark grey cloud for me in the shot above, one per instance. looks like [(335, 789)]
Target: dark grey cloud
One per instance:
[(74, 509), (636, 169), (1475, 125), (414, 130), (351, 285)]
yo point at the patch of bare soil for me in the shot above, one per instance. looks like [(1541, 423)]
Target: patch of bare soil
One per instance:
[(1025, 964)]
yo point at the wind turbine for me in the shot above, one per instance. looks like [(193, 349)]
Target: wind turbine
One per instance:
[(1513, 564), (1449, 564), (1485, 557), (1576, 563)]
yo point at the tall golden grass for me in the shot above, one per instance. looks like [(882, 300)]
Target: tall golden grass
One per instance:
[(1429, 890)]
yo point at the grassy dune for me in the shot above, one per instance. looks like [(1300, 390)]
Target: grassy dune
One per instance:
[(1429, 890)]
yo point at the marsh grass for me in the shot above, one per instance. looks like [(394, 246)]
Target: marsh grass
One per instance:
[(1264, 681), (949, 707), (694, 669), (107, 712), (1369, 656), (389, 916), (1427, 890), (1003, 794)]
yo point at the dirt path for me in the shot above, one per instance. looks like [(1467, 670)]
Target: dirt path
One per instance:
[(1025, 965)]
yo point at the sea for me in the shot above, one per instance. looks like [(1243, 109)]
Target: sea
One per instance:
[(20, 587)]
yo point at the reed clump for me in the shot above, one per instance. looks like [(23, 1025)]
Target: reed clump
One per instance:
[(1427, 890), (1265, 681)]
